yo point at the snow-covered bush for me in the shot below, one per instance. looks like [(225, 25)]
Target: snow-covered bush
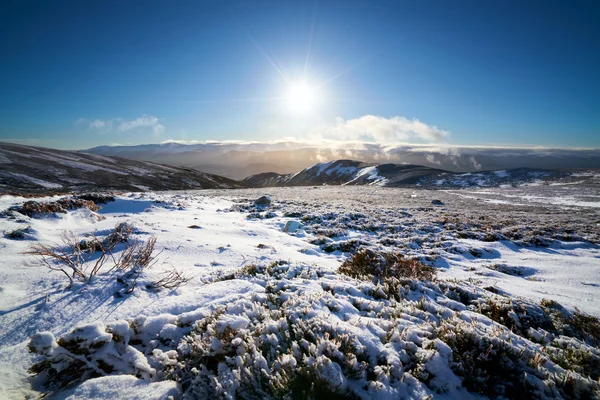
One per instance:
[(22, 233), (89, 351), (315, 333)]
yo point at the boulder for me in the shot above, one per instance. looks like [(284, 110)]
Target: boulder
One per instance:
[(437, 202), (263, 201), (292, 226)]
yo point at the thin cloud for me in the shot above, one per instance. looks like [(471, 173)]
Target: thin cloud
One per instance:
[(102, 125), (123, 125)]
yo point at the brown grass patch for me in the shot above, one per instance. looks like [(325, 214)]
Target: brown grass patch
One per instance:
[(382, 265)]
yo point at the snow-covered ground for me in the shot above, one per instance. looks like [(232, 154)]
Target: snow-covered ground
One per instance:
[(32, 298), (211, 237)]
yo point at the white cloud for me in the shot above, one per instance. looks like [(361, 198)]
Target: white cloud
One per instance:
[(122, 125), (143, 121), (372, 128), (102, 125)]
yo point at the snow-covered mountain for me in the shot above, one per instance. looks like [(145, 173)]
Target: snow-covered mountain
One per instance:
[(345, 172), (36, 169), (349, 172)]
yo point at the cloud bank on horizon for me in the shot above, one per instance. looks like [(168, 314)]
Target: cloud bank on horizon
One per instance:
[(373, 128), (367, 129)]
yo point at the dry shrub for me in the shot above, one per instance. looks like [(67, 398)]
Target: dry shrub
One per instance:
[(70, 258), (19, 233), (34, 208), (120, 234), (586, 324), (144, 257), (79, 259), (171, 280), (575, 324), (133, 260), (98, 198), (380, 266)]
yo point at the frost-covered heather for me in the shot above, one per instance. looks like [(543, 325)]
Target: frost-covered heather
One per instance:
[(314, 333), (268, 311)]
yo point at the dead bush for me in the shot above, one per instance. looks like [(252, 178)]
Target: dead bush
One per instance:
[(120, 234), (71, 257), (587, 324), (575, 324), (98, 198), (34, 208), (133, 260), (19, 233), (369, 264), (81, 260), (171, 280)]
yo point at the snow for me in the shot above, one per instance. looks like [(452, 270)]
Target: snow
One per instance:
[(120, 386), (371, 174), (32, 298), (570, 200), (320, 168), (340, 170), (39, 182), (35, 301), (545, 275), (4, 159)]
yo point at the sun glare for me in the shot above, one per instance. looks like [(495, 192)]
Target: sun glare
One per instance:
[(301, 97)]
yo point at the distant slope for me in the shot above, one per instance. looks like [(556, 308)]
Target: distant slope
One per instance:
[(36, 169), (346, 172), (349, 172)]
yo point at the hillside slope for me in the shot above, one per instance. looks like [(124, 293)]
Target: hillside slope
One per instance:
[(346, 172), (36, 169), (349, 172)]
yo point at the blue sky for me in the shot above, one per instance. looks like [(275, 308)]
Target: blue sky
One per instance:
[(83, 73)]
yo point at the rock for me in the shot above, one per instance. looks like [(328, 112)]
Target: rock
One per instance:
[(437, 202), (263, 201), (292, 226)]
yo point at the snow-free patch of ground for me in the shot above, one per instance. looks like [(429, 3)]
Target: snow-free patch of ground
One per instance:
[(250, 281)]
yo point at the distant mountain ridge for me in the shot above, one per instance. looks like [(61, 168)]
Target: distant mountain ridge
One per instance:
[(350, 172), (35, 169), (238, 160), (27, 169), (345, 172)]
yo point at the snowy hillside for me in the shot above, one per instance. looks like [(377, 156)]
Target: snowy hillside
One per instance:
[(345, 172), (346, 292), (36, 169), (349, 172)]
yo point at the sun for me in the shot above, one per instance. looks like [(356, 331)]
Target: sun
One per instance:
[(301, 97)]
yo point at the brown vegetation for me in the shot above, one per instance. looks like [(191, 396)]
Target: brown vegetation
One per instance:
[(382, 265)]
